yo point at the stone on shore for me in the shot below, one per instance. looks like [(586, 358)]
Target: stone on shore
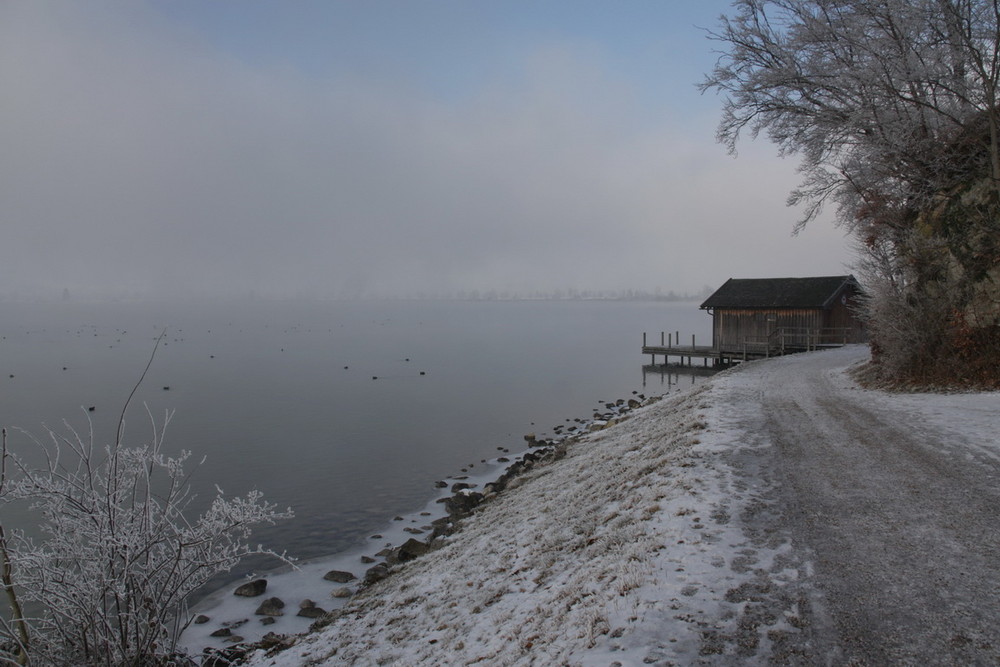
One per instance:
[(339, 576), (308, 609), (252, 589), (271, 607)]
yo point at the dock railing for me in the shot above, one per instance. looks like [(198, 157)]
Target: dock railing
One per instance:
[(669, 339), (780, 341), (799, 338), (794, 339)]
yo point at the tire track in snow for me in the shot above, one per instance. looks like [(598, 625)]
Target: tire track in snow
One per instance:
[(902, 523)]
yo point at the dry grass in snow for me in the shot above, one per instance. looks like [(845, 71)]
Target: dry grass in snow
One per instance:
[(623, 551)]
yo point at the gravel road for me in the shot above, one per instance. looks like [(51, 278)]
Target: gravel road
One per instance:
[(892, 514)]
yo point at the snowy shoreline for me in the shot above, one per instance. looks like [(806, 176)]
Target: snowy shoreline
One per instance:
[(622, 551), (228, 623), (660, 540)]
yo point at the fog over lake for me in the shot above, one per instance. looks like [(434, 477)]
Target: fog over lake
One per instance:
[(280, 396)]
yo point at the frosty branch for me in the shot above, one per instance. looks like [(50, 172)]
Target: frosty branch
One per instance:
[(892, 107), (118, 558)]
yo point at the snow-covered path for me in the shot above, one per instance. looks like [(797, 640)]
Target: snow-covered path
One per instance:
[(777, 514), (897, 498)]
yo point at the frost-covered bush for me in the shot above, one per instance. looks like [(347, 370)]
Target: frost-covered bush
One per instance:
[(108, 579)]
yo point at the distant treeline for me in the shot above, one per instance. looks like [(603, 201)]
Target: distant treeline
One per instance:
[(577, 295), (657, 294)]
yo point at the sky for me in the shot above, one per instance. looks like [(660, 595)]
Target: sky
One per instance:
[(345, 148)]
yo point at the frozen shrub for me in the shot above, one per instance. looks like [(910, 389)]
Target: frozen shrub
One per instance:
[(108, 579)]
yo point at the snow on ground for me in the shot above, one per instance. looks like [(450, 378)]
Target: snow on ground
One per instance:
[(630, 550), (622, 551), (306, 580)]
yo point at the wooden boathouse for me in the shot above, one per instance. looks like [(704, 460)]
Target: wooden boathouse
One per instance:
[(762, 317)]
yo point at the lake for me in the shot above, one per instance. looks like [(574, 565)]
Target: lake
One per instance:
[(345, 411)]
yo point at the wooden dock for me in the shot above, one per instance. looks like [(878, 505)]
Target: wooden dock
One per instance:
[(670, 347), (686, 354), (782, 341)]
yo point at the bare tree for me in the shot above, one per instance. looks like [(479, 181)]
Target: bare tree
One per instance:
[(892, 106)]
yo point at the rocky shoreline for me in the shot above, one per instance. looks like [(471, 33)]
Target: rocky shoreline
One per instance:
[(463, 499)]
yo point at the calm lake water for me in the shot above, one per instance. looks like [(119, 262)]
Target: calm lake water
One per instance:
[(280, 396)]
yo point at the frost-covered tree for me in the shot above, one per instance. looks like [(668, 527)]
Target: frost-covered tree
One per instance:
[(108, 580), (892, 106)]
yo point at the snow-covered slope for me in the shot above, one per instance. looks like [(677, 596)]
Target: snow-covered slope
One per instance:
[(623, 550), (649, 543)]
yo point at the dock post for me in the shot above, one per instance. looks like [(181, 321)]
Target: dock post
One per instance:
[(661, 339), (670, 340), (644, 339)]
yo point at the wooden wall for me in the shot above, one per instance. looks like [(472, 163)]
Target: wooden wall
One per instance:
[(732, 326)]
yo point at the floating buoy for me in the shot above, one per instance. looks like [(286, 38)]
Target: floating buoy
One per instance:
[(374, 377), (167, 388), (91, 408)]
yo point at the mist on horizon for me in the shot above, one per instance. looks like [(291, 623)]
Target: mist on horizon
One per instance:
[(338, 150)]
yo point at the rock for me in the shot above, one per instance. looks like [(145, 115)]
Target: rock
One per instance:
[(458, 486), (340, 576), (342, 592), (201, 619), (308, 609), (273, 642), (494, 487), (222, 632), (252, 589), (222, 657), (461, 504), (267, 620), (411, 549), (633, 404), (376, 573), (271, 607), (312, 612)]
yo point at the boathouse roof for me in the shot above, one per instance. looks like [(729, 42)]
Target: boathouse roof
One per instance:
[(818, 292)]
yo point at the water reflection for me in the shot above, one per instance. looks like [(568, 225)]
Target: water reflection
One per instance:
[(667, 377)]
